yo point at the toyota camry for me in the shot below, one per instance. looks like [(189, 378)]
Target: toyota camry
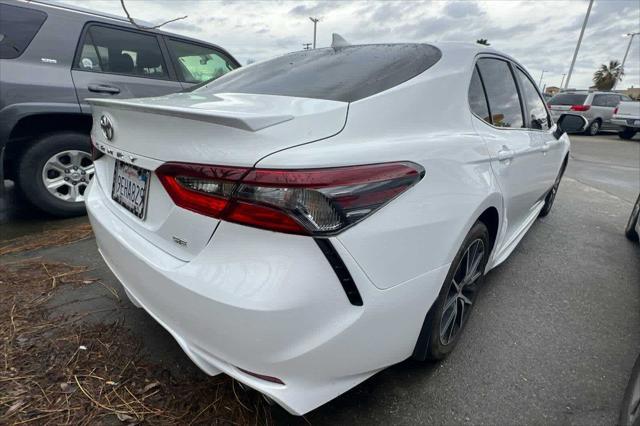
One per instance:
[(304, 222)]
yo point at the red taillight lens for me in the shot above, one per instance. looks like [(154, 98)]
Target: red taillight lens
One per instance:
[(615, 110), (580, 107), (308, 202)]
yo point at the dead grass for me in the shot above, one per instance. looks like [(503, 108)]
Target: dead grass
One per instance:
[(62, 370), (53, 237)]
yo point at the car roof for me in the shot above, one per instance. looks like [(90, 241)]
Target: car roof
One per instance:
[(94, 15)]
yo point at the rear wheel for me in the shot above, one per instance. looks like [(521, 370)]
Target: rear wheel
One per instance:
[(627, 133), (55, 171), (630, 230), (594, 128), (457, 297)]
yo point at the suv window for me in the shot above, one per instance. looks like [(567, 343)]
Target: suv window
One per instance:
[(538, 117), (614, 100), (477, 97), (18, 26), (344, 74), (568, 99), (197, 63), (121, 52), (502, 93), (600, 100)]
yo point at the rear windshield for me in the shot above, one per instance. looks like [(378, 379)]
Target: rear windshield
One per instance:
[(18, 26), (340, 74), (568, 99)]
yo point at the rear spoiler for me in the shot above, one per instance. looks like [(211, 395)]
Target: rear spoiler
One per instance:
[(251, 122)]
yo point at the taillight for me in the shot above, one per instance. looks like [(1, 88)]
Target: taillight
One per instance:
[(615, 110), (580, 107), (308, 202)]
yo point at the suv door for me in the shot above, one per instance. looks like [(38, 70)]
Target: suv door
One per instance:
[(538, 121), (612, 101), (600, 109), (514, 157), (196, 63), (121, 63)]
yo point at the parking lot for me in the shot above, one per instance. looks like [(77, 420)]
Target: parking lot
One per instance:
[(553, 338)]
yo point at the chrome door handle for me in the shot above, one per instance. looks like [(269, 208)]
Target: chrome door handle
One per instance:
[(505, 154)]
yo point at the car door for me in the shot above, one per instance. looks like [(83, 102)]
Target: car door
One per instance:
[(600, 109), (196, 63), (538, 121), (612, 101), (514, 157), (114, 62)]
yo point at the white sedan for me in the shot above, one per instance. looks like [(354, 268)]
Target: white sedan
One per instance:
[(304, 222)]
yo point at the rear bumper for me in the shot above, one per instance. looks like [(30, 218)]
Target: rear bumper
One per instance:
[(268, 303), (626, 122)]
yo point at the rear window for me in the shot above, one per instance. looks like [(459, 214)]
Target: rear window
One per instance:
[(18, 26), (344, 74), (568, 99)]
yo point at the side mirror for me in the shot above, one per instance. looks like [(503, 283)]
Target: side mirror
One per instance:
[(570, 123)]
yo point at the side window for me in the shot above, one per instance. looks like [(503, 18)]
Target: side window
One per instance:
[(625, 98), (599, 100), (477, 98), (614, 100), (121, 52), (18, 26), (198, 63), (538, 117), (502, 93)]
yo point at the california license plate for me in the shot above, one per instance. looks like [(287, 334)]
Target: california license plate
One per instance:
[(130, 187)]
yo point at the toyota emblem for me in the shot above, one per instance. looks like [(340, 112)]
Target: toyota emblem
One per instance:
[(107, 127)]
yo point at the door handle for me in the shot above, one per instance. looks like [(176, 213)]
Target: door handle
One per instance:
[(103, 88), (505, 154)]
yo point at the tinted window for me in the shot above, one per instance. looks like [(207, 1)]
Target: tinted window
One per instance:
[(121, 52), (600, 100), (625, 98), (501, 92), (18, 26), (198, 63), (568, 99), (477, 99), (341, 74), (537, 113)]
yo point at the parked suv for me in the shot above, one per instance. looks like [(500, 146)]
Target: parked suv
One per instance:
[(52, 59), (596, 107)]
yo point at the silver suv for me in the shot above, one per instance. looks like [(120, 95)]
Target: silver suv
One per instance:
[(52, 58), (596, 107)]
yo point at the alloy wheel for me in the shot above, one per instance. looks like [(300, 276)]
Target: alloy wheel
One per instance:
[(462, 291), (66, 175), (595, 127)]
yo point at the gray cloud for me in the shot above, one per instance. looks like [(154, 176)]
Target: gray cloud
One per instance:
[(460, 9)]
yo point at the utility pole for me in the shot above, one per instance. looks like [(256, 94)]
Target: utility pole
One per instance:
[(315, 24), (562, 80), (632, 35), (541, 75), (575, 53), (306, 46)]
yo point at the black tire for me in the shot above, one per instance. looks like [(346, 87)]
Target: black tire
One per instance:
[(629, 413), (594, 128), (551, 195), (630, 230), (30, 172), (437, 346), (627, 133)]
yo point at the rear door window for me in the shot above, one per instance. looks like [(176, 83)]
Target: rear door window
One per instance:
[(197, 63), (534, 105), (18, 26), (568, 99), (477, 98), (502, 93), (118, 51), (600, 100)]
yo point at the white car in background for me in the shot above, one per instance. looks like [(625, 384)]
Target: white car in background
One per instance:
[(304, 222), (627, 116)]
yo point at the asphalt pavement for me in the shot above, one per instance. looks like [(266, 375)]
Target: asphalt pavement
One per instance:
[(552, 340)]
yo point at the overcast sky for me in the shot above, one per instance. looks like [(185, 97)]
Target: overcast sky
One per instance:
[(540, 34)]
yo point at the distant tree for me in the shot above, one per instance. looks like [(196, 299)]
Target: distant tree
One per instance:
[(607, 75), (483, 41)]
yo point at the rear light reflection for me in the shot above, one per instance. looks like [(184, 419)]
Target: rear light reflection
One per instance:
[(306, 202)]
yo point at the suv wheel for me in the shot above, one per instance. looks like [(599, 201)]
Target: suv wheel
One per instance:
[(627, 133), (55, 171), (594, 128)]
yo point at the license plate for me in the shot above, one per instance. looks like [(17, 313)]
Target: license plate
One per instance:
[(130, 187)]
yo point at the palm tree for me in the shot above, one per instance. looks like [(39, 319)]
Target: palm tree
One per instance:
[(483, 41), (606, 76)]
